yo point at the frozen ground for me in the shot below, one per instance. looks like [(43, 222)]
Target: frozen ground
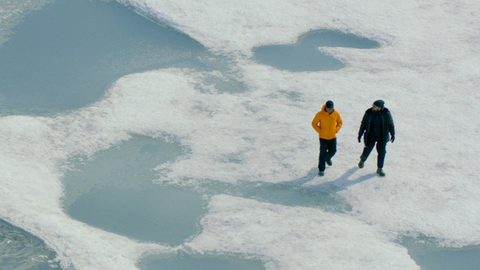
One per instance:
[(426, 70)]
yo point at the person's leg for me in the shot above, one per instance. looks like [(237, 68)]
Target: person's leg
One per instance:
[(369, 144), (332, 149), (323, 153), (381, 150)]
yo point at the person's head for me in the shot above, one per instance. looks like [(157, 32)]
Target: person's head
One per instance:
[(329, 106), (378, 105)]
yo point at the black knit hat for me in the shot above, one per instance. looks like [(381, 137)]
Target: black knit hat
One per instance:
[(379, 103), (329, 104)]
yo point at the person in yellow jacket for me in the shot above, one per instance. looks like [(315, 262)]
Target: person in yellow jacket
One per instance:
[(327, 123)]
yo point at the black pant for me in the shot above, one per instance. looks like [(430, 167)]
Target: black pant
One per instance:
[(381, 150), (328, 148)]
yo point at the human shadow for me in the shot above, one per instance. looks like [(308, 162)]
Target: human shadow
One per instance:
[(339, 184), (293, 193), (302, 180), (343, 182)]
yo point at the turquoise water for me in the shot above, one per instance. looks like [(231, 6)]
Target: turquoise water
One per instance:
[(66, 55), (429, 255), (164, 215), (448, 259), (191, 262), (305, 56), (114, 191), (127, 166)]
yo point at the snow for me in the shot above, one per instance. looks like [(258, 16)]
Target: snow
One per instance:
[(426, 70), (306, 239)]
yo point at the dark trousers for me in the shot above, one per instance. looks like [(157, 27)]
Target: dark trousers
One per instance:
[(381, 150), (328, 148)]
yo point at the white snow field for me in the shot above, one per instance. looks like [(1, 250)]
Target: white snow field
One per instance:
[(427, 71)]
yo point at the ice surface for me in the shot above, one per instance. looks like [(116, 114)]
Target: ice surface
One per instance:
[(296, 237), (426, 70)]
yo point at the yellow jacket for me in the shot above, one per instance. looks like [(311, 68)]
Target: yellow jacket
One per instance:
[(327, 124)]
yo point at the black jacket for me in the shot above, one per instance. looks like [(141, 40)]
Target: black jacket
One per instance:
[(388, 128)]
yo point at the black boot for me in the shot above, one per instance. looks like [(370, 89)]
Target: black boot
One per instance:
[(361, 164), (380, 172)]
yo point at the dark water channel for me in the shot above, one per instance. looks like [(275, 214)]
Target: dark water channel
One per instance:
[(21, 250)]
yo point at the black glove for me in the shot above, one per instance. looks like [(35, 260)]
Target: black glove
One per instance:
[(392, 137), (359, 138)]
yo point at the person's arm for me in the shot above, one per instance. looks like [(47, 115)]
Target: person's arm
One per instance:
[(316, 122), (391, 127), (339, 123), (363, 127)]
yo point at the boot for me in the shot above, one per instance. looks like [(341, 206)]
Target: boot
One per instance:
[(361, 163), (380, 172), (321, 173), (329, 162)]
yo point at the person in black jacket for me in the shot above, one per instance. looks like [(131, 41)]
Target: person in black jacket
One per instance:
[(378, 128)]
